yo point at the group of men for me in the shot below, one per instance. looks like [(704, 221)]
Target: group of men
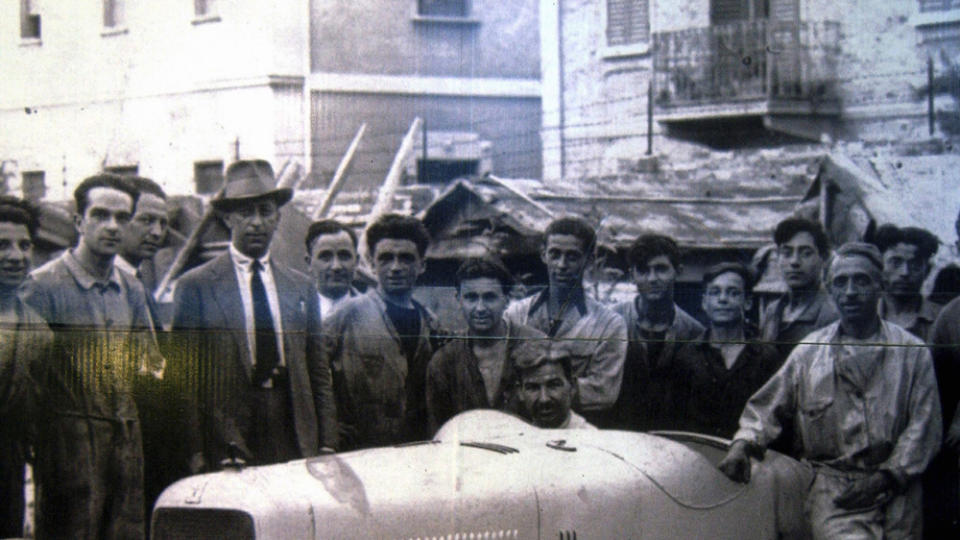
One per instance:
[(264, 364)]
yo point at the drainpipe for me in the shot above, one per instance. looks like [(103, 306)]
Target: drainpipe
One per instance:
[(307, 101), (562, 119)]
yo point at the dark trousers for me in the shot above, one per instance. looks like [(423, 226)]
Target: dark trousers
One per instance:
[(940, 497), (12, 461), (273, 438)]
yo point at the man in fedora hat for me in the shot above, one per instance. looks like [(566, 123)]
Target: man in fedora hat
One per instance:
[(251, 330)]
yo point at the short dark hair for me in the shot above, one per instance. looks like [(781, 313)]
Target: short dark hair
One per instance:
[(485, 267), (573, 226), (648, 246), (145, 185), (327, 226), (104, 180), (398, 227), (533, 353), (790, 227), (861, 249), (737, 268), (888, 236), (15, 210)]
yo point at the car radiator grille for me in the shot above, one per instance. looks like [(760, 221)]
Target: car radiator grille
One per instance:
[(178, 523)]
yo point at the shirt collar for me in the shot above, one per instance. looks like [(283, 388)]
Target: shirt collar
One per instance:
[(243, 262), (812, 311), (577, 298), (85, 279), (125, 266), (928, 310)]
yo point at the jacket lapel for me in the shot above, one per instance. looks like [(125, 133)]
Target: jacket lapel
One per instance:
[(293, 307), (226, 295)]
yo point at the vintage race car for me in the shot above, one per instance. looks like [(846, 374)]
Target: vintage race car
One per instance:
[(489, 475)]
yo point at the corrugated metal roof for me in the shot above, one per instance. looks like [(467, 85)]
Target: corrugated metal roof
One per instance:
[(916, 191), (719, 200)]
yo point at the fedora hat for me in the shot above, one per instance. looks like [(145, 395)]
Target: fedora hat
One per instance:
[(247, 181)]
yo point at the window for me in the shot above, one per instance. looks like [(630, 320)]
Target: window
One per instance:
[(628, 22), (34, 186), (443, 8), (123, 170), (207, 177), (731, 11), (114, 13), (938, 5), (29, 20)]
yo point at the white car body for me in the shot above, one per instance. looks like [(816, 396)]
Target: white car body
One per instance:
[(490, 475)]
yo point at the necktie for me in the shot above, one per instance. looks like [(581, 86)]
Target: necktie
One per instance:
[(266, 356)]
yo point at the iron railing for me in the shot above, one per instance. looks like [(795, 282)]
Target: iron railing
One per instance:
[(746, 61)]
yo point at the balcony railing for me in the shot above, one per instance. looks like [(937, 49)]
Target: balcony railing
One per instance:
[(746, 61)]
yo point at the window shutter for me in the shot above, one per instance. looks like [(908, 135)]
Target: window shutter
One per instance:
[(628, 22)]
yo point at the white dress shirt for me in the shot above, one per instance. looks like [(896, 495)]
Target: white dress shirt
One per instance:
[(329, 305), (241, 266)]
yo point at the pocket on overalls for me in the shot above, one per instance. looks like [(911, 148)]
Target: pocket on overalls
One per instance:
[(817, 427)]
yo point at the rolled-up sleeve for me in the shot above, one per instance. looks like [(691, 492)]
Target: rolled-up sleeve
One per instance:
[(599, 385), (764, 414), (920, 440)]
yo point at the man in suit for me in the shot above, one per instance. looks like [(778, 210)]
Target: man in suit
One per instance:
[(140, 239), (251, 337), (332, 257), (146, 232)]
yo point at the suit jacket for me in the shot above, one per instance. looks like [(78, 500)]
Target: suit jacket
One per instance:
[(381, 396), (215, 365)]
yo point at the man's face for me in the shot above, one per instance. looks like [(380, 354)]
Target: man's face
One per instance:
[(397, 264), (903, 270), (546, 395), (16, 251), (145, 233), (725, 299), (655, 278), (483, 303), (855, 288), (565, 258), (333, 263), (107, 215), (800, 262), (252, 226)]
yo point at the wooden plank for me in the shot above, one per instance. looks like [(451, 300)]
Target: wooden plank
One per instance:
[(340, 175), (164, 290), (391, 182)]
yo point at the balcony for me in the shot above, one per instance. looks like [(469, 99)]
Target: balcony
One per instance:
[(758, 68)]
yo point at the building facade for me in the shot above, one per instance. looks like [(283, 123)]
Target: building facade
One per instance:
[(170, 90), (622, 77), (175, 90), (470, 69)]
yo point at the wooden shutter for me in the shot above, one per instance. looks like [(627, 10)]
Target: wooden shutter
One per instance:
[(628, 22)]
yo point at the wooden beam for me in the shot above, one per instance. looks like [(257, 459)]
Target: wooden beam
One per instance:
[(283, 179), (391, 182), (165, 288), (518, 193), (340, 175)]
